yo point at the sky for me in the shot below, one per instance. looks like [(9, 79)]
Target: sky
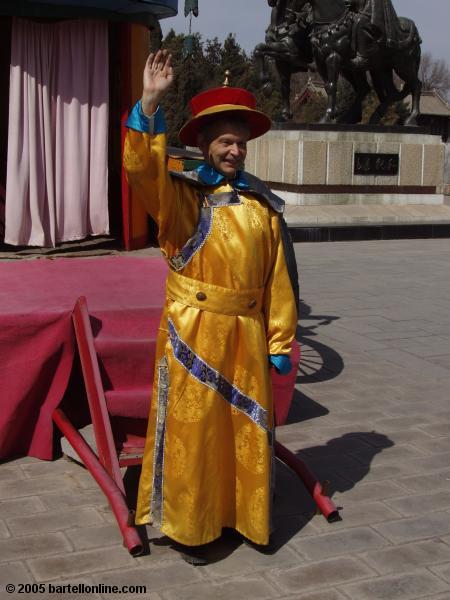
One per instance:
[(248, 20)]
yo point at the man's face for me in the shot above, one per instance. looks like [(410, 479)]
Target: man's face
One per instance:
[(224, 146)]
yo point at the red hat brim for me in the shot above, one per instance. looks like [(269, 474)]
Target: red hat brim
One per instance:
[(258, 122)]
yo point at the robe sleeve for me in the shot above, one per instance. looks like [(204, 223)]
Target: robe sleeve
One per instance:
[(145, 164), (279, 305)]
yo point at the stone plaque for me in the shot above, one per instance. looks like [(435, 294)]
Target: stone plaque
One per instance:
[(376, 164)]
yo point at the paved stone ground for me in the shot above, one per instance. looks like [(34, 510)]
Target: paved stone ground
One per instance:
[(371, 414)]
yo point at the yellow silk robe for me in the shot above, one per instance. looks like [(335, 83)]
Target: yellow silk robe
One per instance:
[(208, 456)]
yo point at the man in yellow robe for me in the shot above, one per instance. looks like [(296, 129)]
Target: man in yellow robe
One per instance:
[(230, 314)]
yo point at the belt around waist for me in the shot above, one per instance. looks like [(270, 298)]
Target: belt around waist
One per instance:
[(213, 298)]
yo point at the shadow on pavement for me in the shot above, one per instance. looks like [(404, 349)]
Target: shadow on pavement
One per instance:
[(318, 362), (333, 462)]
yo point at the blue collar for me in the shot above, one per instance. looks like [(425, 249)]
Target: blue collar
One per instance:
[(210, 176)]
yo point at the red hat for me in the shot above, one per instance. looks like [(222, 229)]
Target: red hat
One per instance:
[(223, 100)]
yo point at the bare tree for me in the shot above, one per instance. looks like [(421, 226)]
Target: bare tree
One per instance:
[(435, 74)]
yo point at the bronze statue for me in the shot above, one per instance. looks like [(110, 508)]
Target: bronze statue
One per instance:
[(375, 25), (288, 44), (349, 38)]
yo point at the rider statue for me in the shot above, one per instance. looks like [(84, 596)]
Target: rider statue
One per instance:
[(284, 36), (376, 23)]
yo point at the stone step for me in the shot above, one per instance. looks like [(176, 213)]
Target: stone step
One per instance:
[(352, 214)]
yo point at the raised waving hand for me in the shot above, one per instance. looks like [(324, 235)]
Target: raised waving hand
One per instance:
[(157, 79)]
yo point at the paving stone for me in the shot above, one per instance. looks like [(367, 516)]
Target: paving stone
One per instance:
[(10, 474), (54, 521), (441, 415), (354, 340), (156, 577), (411, 436), (74, 589), (84, 538), (413, 363), (250, 588), (341, 445), (439, 480), (436, 429), (247, 560), (357, 539), (443, 361), (130, 596), (293, 527), (400, 333), (358, 513), (79, 563), (153, 580), (420, 504), (425, 526), (58, 500), (387, 456), (14, 573), (425, 346), (4, 531), (106, 514), (83, 479), (41, 468), (435, 462), (26, 506), (22, 460), (28, 487), (324, 573), (33, 545), (329, 594), (435, 446), (407, 557), (377, 473), (419, 585), (443, 571), (376, 490), (337, 462)]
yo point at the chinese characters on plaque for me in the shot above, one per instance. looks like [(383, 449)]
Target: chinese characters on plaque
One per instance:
[(376, 164)]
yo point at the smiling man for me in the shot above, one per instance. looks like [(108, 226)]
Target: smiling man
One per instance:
[(230, 314)]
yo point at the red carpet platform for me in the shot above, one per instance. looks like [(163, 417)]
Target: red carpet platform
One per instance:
[(125, 296), (118, 306), (37, 344)]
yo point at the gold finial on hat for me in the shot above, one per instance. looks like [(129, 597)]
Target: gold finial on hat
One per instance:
[(226, 83)]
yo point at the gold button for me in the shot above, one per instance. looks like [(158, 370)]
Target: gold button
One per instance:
[(252, 304), (201, 296)]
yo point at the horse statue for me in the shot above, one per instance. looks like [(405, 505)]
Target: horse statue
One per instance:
[(347, 38), (367, 35), (288, 44)]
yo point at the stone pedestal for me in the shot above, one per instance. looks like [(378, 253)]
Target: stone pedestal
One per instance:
[(315, 165)]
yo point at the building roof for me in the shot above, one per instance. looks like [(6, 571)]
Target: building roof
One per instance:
[(107, 8), (432, 104), (313, 87)]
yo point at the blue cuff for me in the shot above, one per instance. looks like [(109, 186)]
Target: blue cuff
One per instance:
[(281, 362), (139, 121)]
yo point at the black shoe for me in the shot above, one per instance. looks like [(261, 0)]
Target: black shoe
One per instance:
[(194, 555), (264, 549)]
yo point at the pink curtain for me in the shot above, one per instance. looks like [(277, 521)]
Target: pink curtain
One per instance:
[(57, 168)]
